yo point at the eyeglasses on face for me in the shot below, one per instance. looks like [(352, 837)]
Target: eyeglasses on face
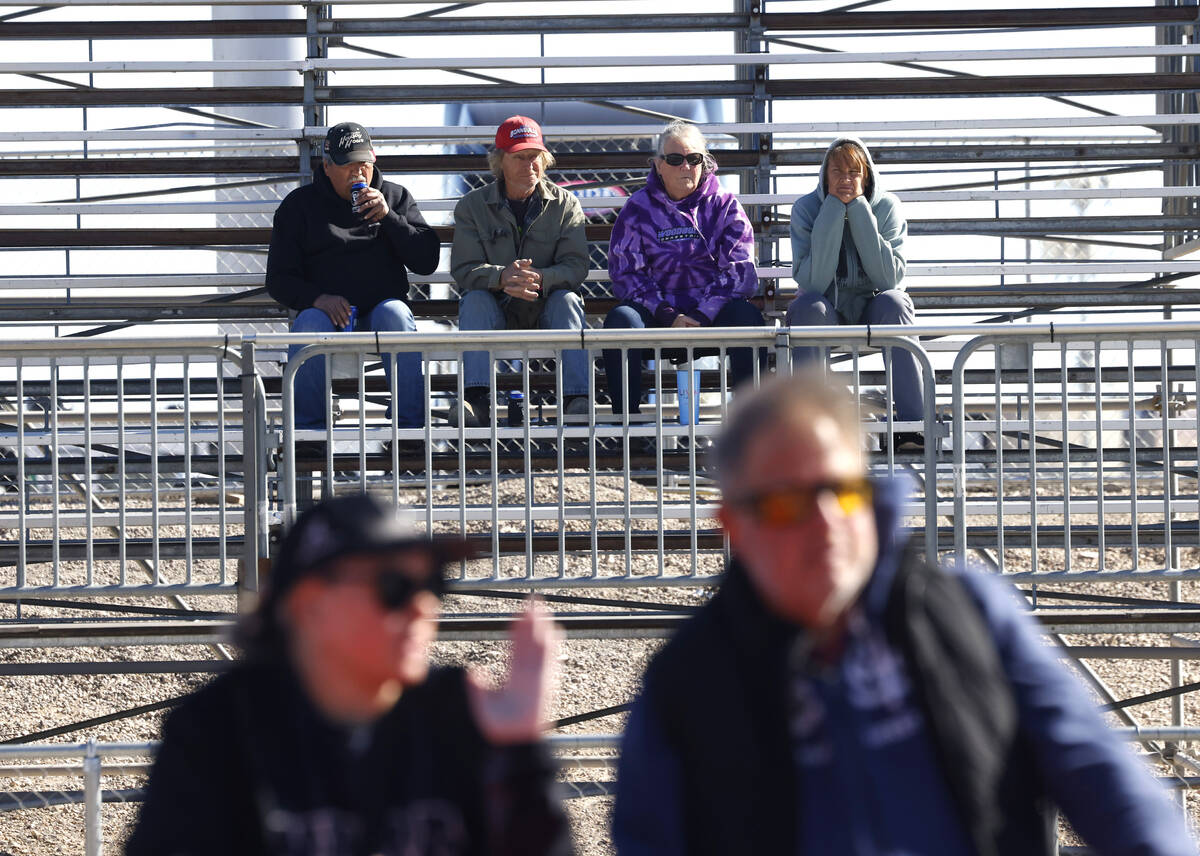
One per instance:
[(791, 505), (692, 158)]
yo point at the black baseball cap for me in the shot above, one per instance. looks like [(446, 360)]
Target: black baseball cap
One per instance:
[(353, 524), (349, 142)]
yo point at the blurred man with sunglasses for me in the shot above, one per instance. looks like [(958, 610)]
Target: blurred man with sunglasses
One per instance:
[(839, 694), (335, 736)]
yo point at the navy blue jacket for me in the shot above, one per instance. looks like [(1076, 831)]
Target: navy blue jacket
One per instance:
[(850, 757)]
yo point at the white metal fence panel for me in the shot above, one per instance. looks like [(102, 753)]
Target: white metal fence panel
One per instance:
[(121, 466), (1075, 448)]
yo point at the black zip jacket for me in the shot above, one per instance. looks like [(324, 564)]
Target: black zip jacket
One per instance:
[(319, 246), (248, 766)]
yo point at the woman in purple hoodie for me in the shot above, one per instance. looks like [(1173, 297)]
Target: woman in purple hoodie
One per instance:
[(682, 255)]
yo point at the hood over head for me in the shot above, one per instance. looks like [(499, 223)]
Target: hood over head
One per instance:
[(871, 185)]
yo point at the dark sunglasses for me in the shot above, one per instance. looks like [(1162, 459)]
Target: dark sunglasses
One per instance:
[(791, 505), (692, 158), (394, 589)]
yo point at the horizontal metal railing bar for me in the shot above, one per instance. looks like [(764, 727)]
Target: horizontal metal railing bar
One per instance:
[(576, 61), (893, 87), (1179, 618), (1137, 16), (132, 433), (918, 269), (135, 392), (971, 300), (563, 132), (123, 667), (194, 667), (977, 19), (450, 628), (77, 750), (1116, 652), (560, 743), (1016, 506), (192, 236), (106, 591), (127, 517), (135, 464), (964, 298), (1183, 534), (94, 634), (808, 157), (268, 206), (1175, 333), (50, 771), (1116, 626), (301, 3), (67, 550), (465, 627)]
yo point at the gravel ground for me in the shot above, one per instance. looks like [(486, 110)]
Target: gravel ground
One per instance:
[(595, 674)]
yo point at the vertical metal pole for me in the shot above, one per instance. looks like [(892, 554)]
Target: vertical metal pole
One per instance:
[(996, 186), (758, 178), (1165, 102), (253, 466), (1173, 175), (93, 832), (316, 47)]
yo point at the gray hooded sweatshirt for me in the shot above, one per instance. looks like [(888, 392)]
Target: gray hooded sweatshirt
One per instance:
[(851, 252)]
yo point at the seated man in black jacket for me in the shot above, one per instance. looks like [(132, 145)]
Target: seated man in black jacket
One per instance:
[(334, 735), (329, 256)]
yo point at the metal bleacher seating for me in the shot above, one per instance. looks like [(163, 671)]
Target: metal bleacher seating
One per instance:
[(1046, 160)]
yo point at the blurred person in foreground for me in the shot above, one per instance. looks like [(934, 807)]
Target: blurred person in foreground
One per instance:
[(848, 262), (681, 256), (327, 255), (839, 694), (519, 258), (335, 736)]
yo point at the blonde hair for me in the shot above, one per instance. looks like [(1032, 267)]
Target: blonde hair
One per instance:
[(495, 157)]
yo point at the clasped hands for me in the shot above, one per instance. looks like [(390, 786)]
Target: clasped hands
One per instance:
[(521, 280)]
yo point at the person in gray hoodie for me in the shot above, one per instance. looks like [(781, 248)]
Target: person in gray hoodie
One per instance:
[(848, 260)]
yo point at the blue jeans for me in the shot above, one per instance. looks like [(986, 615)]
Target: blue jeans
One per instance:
[(893, 306), (630, 316), (481, 310), (390, 316)]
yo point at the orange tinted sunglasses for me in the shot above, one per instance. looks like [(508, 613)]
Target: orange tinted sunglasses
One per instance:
[(791, 505)]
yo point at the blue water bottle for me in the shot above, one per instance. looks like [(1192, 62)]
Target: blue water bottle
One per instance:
[(351, 318)]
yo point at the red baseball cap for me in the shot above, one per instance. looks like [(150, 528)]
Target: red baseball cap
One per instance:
[(518, 133)]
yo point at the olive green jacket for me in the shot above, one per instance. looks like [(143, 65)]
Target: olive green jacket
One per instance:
[(486, 240)]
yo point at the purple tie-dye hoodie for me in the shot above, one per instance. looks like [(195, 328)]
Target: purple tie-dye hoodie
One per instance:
[(688, 257)]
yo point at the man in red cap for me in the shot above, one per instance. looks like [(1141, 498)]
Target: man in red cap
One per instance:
[(519, 257)]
